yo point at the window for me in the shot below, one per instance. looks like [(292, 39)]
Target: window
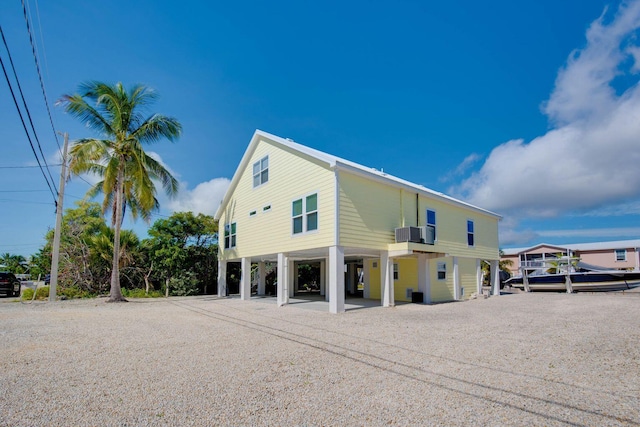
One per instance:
[(230, 235), (442, 271), (252, 213), (431, 221), (261, 172), (470, 234), (395, 271), (304, 213), (266, 208), (621, 254)]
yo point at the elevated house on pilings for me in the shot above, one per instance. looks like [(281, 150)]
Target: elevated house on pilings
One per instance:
[(352, 230)]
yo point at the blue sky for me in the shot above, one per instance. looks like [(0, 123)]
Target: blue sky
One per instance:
[(530, 110)]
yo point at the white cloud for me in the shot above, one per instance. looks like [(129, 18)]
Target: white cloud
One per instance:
[(593, 232), (204, 198), (590, 156), (462, 168)]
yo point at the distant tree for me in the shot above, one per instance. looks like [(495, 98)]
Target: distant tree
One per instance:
[(183, 251), (127, 171), (13, 263)]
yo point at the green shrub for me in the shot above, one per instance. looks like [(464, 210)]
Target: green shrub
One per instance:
[(27, 294), (42, 293), (72, 292), (139, 293), (185, 285)]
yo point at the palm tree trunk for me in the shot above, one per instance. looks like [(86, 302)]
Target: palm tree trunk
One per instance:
[(115, 294)]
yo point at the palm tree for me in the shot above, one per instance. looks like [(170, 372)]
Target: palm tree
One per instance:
[(127, 171)]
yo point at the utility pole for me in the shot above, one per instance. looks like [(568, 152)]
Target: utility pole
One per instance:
[(56, 236)]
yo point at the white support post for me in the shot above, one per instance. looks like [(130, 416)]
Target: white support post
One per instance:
[(261, 278), (245, 279), (386, 279), (637, 258), (478, 277), (336, 279), (495, 278), (283, 286), (456, 279), (222, 278)]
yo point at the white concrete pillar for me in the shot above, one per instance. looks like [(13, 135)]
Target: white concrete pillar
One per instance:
[(245, 279), (456, 279), (336, 279), (495, 278), (222, 278), (478, 277), (327, 271), (283, 285), (323, 277), (366, 275), (386, 279), (637, 258), (424, 278), (261, 278)]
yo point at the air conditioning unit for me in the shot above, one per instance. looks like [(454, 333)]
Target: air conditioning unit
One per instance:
[(428, 234), (408, 234)]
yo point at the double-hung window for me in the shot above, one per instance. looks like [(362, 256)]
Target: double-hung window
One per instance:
[(470, 233), (431, 221), (304, 214), (395, 271), (261, 172), (230, 235), (621, 254), (442, 271)]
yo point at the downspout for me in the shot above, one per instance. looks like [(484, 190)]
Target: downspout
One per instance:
[(417, 210)]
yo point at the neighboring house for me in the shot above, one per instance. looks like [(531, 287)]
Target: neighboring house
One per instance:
[(617, 255), (304, 210)]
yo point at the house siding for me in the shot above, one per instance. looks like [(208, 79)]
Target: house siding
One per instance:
[(291, 176), (371, 211)]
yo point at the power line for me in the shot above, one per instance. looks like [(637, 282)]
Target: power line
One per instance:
[(24, 102), (35, 57), (25, 128), (26, 167)]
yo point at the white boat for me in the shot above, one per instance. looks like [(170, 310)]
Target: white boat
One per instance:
[(570, 275)]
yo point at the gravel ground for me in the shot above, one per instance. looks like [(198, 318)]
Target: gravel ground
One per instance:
[(522, 359)]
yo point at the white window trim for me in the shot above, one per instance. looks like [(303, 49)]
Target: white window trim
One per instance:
[(473, 233), (615, 254), (229, 224), (435, 222), (443, 270), (305, 214), (396, 271), (259, 162)]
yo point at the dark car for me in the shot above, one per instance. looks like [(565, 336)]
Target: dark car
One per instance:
[(9, 284)]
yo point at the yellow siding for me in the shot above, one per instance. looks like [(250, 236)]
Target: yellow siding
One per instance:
[(467, 270), (407, 278), (451, 230), (374, 280), (291, 176), (441, 290), (370, 211)]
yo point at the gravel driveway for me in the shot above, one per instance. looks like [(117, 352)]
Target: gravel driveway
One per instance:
[(522, 359)]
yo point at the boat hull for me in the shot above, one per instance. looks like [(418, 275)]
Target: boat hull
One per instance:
[(580, 282)]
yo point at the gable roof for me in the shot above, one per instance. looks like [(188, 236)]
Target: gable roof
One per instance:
[(595, 246), (337, 163)]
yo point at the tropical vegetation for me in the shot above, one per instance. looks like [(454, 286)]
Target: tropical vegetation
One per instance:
[(128, 175)]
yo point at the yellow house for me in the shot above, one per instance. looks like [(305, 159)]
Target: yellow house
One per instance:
[(365, 233)]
